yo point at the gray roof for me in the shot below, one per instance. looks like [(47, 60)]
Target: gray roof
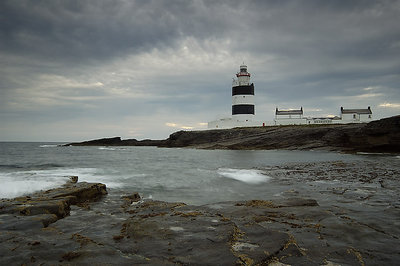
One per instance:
[(289, 112), (356, 111)]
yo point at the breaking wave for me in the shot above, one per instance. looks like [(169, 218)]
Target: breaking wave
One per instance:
[(111, 148), (244, 175), (29, 166), (18, 183), (48, 145)]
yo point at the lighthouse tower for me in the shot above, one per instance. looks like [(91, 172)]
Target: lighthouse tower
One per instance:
[(243, 109)]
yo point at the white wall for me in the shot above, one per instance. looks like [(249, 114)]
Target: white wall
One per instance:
[(240, 121), (349, 118), (290, 121), (231, 123), (243, 117), (279, 117)]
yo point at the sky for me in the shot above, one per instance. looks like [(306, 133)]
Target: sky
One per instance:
[(79, 70)]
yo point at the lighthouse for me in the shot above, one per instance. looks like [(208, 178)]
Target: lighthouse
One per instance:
[(243, 109)]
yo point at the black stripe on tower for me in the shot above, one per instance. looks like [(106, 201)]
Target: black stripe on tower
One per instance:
[(243, 90), (239, 109)]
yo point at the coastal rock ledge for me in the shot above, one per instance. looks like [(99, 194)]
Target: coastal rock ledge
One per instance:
[(46, 207), (127, 230), (377, 136)]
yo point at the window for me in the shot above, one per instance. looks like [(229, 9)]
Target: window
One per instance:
[(354, 116)]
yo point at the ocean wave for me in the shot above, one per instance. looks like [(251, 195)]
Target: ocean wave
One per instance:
[(373, 153), (111, 148), (48, 145), (244, 175), (30, 166), (44, 166), (17, 183), (132, 176), (15, 188), (11, 166)]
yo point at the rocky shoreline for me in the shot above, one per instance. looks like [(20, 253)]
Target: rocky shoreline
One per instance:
[(46, 207), (82, 223), (382, 136)]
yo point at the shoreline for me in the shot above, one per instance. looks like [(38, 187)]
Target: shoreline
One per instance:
[(338, 223), (380, 136)]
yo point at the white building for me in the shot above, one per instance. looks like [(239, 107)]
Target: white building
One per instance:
[(356, 115), (289, 117), (243, 110), (243, 106)]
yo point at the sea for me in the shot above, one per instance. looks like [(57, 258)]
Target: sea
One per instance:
[(193, 176)]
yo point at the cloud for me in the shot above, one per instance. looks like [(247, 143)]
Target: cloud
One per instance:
[(175, 125), (137, 65), (186, 127), (313, 109), (372, 88), (390, 105), (369, 95), (171, 125)]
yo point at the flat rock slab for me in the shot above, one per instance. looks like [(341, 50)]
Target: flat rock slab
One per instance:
[(46, 207), (128, 231)]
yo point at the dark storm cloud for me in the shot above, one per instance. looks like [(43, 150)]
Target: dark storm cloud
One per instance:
[(77, 30), (162, 60)]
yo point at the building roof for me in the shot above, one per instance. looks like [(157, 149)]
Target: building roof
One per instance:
[(289, 112), (356, 111)]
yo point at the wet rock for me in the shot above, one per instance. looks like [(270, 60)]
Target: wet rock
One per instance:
[(46, 207), (129, 199), (377, 136), (98, 142), (73, 179), (285, 230), (116, 141)]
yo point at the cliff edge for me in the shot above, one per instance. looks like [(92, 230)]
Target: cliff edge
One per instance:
[(377, 136)]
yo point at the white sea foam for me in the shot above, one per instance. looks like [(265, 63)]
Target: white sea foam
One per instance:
[(18, 183), (244, 175), (111, 148), (372, 153), (48, 146), (93, 175), (132, 176)]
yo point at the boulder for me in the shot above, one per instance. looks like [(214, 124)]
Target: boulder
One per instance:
[(45, 207)]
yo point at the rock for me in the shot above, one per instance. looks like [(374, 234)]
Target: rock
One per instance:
[(98, 142), (116, 141), (129, 199), (377, 136), (293, 231), (46, 207), (135, 197), (353, 223), (73, 179)]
